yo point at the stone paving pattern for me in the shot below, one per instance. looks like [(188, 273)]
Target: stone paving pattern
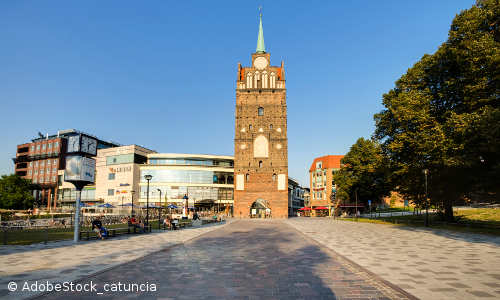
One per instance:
[(248, 260), (66, 261), (428, 263)]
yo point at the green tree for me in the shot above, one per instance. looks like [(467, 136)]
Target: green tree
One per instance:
[(362, 168), (15, 192), (443, 115)]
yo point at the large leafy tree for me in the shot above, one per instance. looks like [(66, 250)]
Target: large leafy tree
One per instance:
[(15, 192), (443, 115), (362, 168)]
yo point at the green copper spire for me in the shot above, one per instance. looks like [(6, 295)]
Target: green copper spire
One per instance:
[(260, 40)]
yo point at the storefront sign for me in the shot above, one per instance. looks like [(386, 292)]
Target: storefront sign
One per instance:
[(124, 191), (120, 169), (122, 150), (124, 184), (320, 189)]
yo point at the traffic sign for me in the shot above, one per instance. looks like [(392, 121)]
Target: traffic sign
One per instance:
[(369, 202)]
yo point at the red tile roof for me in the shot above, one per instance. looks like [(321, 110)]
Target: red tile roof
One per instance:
[(329, 162)]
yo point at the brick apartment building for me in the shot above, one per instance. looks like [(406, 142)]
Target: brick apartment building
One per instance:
[(261, 144), (43, 160)]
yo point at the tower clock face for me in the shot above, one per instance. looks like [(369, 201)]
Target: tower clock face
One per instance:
[(74, 143), (89, 145), (260, 63)]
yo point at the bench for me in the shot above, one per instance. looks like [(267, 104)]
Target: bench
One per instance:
[(113, 230)]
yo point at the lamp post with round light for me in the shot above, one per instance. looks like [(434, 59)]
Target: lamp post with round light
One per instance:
[(426, 171), (132, 192), (356, 210), (148, 178), (159, 214)]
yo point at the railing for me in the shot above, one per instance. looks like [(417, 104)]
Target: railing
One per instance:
[(12, 229), (419, 222)]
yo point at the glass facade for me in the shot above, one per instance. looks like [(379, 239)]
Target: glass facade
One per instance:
[(188, 176), (190, 161), (193, 193), (70, 194)]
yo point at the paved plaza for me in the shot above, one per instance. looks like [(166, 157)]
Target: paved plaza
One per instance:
[(428, 263), (298, 258)]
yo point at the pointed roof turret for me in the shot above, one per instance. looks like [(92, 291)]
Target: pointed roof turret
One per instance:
[(261, 48)]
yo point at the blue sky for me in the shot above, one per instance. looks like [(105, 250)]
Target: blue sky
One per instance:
[(162, 74)]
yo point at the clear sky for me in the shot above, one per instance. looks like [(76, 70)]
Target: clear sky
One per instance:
[(162, 74)]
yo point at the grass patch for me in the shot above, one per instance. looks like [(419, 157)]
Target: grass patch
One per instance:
[(483, 221), (34, 236)]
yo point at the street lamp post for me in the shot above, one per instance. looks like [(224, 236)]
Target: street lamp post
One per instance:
[(122, 203), (356, 209), (426, 171), (159, 214), (148, 178), (132, 192)]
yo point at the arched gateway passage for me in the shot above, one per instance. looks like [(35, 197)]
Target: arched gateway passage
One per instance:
[(260, 209)]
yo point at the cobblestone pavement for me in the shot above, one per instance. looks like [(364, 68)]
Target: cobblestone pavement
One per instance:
[(66, 261), (429, 263), (258, 259)]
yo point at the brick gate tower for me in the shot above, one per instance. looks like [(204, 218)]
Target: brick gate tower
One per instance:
[(261, 144)]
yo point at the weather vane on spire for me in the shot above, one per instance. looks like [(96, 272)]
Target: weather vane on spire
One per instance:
[(260, 10)]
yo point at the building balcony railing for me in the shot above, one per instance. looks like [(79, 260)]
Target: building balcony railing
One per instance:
[(43, 186), (32, 157)]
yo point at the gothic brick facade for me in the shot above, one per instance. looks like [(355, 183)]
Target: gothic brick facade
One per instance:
[(261, 144)]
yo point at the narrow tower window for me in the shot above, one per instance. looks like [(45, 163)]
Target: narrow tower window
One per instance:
[(271, 126), (248, 177), (250, 127), (274, 177), (261, 111), (260, 164)]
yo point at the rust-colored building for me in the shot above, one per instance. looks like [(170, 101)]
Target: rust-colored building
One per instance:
[(261, 144), (43, 161), (320, 177)]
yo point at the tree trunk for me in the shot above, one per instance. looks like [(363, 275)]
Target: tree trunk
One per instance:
[(448, 211)]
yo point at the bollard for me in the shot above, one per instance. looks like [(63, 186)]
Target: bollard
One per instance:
[(46, 229), (5, 237)]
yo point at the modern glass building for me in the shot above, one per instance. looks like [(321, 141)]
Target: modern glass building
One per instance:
[(207, 180)]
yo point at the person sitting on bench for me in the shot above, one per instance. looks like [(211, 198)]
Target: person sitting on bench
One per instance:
[(195, 216), (167, 221), (97, 227), (134, 222)]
